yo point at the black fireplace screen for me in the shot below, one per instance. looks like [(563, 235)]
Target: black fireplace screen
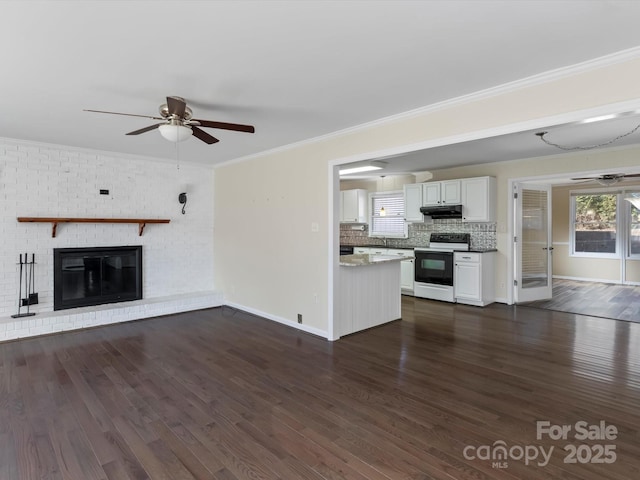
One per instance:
[(93, 276)]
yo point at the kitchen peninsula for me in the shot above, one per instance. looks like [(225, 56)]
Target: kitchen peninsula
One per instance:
[(369, 291)]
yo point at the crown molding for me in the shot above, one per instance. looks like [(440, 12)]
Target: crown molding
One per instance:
[(533, 80)]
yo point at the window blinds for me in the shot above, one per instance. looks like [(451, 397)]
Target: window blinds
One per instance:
[(390, 221)]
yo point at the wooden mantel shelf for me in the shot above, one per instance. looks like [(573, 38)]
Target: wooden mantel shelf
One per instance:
[(54, 221)]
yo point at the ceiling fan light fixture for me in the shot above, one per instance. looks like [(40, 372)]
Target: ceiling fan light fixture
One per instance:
[(175, 133), (605, 181)]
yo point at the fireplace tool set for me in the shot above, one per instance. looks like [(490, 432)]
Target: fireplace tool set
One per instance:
[(28, 279)]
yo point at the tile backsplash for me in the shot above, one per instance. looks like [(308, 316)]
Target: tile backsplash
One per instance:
[(483, 235)]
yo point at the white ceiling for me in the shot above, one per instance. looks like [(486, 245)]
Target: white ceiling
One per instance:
[(295, 70)]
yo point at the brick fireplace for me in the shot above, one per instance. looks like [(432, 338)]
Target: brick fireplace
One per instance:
[(43, 180)]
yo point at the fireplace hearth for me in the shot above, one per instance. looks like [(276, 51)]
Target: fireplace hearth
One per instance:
[(96, 275)]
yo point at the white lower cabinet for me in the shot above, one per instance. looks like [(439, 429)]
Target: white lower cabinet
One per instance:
[(406, 269), (406, 266), (473, 278), (406, 276)]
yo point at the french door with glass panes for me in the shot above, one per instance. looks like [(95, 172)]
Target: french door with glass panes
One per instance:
[(532, 242)]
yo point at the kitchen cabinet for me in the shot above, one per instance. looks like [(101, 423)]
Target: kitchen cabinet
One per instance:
[(473, 278), (478, 197), (413, 202), (406, 269), (406, 266), (353, 206), (369, 294), (441, 193), (407, 274)]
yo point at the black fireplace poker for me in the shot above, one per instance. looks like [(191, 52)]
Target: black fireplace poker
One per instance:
[(27, 277)]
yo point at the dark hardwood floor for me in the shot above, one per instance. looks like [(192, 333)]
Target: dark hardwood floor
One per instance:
[(621, 302), (222, 394)]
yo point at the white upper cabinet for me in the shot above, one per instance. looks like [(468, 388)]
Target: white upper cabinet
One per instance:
[(413, 202), (353, 206), (441, 193), (431, 193), (450, 192), (478, 199)]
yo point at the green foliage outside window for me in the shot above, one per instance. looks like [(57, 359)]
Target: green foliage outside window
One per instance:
[(596, 212)]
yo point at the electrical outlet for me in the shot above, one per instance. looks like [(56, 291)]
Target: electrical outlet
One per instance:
[(299, 318)]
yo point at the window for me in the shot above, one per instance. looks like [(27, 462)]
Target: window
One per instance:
[(634, 225), (387, 215), (605, 224), (595, 224)]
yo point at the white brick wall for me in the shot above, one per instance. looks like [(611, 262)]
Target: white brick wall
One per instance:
[(44, 180)]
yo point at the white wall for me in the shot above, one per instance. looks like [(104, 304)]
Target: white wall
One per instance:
[(292, 272), (43, 180)]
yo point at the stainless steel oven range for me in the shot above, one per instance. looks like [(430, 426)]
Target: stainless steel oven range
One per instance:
[(434, 266)]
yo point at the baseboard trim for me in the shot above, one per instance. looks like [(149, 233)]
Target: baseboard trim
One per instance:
[(284, 321), (582, 279)]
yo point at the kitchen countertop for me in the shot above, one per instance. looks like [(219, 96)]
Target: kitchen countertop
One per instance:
[(362, 259), (473, 250)]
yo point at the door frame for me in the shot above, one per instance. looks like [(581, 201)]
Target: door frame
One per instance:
[(511, 227), (540, 292), (511, 224), (548, 179), (333, 194)]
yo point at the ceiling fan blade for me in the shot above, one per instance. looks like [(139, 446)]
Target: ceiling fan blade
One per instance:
[(585, 178), (226, 126), (127, 114), (176, 106), (204, 136), (145, 129), (631, 175)]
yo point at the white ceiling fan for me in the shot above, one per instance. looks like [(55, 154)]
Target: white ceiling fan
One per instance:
[(607, 179)]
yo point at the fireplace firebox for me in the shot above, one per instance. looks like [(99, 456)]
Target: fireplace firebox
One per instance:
[(96, 275)]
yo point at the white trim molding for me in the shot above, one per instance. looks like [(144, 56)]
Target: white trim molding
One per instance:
[(275, 318), (531, 81)]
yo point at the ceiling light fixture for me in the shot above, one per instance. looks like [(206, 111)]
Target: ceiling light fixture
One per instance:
[(607, 180), (175, 131), (362, 167), (600, 118), (588, 147)]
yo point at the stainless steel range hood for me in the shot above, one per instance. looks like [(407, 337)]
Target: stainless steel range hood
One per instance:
[(442, 211)]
